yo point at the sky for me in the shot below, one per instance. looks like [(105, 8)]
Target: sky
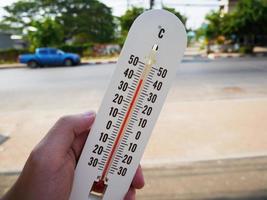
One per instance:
[(195, 10)]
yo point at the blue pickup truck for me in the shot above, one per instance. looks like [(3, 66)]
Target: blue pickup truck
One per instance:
[(49, 56)]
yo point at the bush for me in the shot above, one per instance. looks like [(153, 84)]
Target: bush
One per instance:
[(82, 50), (246, 49), (11, 55)]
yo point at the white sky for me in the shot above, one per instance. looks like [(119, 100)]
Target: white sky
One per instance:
[(195, 14)]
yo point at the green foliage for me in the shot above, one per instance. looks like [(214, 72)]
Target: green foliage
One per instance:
[(214, 28), (128, 18), (126, 22), (48, 33), (10, 55), (248, 20), (245, 49), (251, 16), (88, 20), (243, 25), (130, 15), (82, 50), (81, 20), (20, 14), (201, 32)]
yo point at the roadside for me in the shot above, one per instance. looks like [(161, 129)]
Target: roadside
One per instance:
[(193, 130), (12, 66), (84, 61), (215, 110), (196, 51), (242, 179), (192, 54), (234, 55)]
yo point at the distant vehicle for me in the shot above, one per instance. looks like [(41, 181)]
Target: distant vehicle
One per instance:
[(48, 57)]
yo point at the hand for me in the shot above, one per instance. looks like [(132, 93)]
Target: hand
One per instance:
[(49, 170)]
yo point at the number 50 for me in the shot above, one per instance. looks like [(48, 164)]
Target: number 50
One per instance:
[(133, 60)]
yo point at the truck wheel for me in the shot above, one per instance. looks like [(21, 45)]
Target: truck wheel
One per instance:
[(68, 62), (32, 64)]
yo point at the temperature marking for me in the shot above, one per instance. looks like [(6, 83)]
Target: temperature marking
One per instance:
[(100, 185), (132, 103), (121, 130)]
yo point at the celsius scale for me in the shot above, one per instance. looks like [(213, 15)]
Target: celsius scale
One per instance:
[(145, 70)]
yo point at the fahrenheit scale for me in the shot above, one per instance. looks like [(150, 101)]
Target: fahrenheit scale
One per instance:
[(145, 69)]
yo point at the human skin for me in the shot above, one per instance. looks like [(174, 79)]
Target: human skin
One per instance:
[(49, 171)]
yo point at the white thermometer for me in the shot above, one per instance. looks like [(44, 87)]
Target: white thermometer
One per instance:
[(145, 69)]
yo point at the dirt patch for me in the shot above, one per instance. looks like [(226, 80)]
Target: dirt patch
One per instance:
[(233, 90)]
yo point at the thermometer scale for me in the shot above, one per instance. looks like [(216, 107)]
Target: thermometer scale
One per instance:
[(145, 69)]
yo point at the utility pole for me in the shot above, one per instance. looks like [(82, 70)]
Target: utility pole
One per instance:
[(128, 4), (152, 4)]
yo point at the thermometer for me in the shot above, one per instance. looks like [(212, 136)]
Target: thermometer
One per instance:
[(145, 69)]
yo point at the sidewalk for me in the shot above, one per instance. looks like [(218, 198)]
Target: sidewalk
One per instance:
[(94, 61), (239, 179), (186, 131), (234, 55), (242, 179), (12, 66)]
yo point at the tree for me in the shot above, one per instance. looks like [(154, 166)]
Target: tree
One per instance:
[(130, 15), (128, 18), (84, 20), (87, 18), (248, 21), (245, 25), (20, 14), (214, 28), (47, 33)]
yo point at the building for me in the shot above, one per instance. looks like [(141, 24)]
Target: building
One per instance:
[(10, 41), (5, 41)]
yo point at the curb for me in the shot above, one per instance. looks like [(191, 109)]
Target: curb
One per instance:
[(180, 164), (10, 173), (101, 62), (237, 55), (83, 63), (12, 67), (215, 56)]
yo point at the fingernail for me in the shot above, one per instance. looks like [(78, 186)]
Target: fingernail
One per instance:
[(89, 114)]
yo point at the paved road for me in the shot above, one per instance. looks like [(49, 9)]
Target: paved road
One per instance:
[(213, 109), (202, 79)]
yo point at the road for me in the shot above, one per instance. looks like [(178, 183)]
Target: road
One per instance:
[(215, 110), (207, 108), (195, 80)]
